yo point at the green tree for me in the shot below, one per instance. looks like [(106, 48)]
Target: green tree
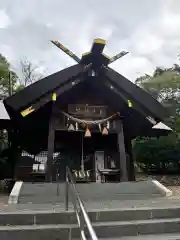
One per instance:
[(158, 155), (9, 84), (162, 154), (164, 85), (8, 78)]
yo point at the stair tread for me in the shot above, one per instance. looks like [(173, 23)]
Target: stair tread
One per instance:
[(134, 222), (111, 204), (49, 208), (35, 227), (91, 207), (148, 237), (116, 223)]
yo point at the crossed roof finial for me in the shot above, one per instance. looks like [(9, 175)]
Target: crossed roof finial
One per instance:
[(96, 54)]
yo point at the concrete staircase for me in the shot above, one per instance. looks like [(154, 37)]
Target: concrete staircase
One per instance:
[(44, 193), (144, 223)]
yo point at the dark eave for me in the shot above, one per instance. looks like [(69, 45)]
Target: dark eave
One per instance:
[(125, 98), (137, 94), (40, 88), (63, 89)]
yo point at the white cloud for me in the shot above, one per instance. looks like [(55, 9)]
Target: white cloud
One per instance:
[(132, 67), (170, 25), (147, 43), (150, 30), (4, 19)]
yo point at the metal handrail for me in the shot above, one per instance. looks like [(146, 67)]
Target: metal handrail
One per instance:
[(81, 213)]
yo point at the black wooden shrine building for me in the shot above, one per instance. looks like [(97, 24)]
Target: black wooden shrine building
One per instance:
[(87, 113)]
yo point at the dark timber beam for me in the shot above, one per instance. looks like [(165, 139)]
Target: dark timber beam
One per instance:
[(96, 56), (117, 56), (66, 50), (98, 46), (51, 138), (130, 158), (122, 151)]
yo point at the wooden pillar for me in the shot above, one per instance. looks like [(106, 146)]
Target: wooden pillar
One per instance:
[(129, 150), (122, 151), (51, 138)]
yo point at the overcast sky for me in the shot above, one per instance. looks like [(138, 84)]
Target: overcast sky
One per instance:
[(148, 29)]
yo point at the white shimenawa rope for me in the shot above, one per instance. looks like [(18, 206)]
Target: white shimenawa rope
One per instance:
[(88, 122)]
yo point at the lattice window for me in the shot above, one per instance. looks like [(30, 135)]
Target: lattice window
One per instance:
[(41, 157)]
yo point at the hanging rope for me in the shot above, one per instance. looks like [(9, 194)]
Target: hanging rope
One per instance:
[(88, 122)]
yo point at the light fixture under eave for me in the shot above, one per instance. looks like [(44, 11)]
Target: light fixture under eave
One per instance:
[(93, 73), (71, 127), (105, 131), (87, 133), (54, 96), (130, 104)]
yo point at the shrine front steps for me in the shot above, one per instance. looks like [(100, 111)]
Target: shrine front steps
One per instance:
[(112, 224), (50, 216), (111, 231), (43, 193)]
